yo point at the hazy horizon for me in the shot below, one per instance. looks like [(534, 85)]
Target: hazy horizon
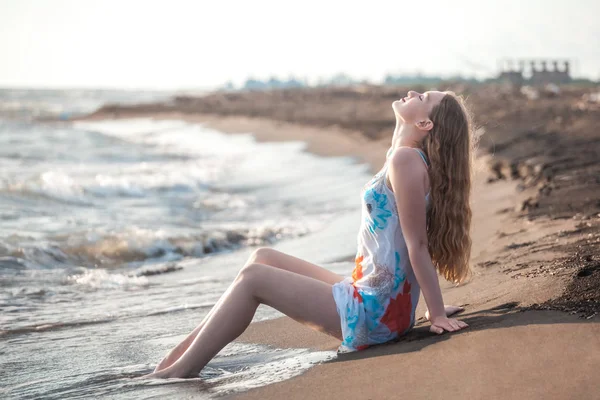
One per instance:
[(188, 45)]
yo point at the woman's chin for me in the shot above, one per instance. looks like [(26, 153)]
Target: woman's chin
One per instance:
[(396, 108)]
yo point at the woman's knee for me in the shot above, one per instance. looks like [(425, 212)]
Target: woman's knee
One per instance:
[(258, 256), (251, 273), (261, 255)]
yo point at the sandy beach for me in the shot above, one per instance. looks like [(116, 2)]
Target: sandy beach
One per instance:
[(531, 304), (506, 351)]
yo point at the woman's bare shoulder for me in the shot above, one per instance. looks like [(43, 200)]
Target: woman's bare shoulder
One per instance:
[(406, 166), (404, 156)]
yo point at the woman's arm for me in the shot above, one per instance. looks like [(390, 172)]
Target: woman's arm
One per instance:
[(408, 181), (407, 176)]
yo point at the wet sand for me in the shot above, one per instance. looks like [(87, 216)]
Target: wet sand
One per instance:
[(526, 256)]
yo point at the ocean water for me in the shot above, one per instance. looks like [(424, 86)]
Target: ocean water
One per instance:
[(117, 237)]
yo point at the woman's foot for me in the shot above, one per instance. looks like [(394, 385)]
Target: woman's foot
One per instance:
[(173, 355), (164, 363), (155, 375), (167, 361), (165, 373)]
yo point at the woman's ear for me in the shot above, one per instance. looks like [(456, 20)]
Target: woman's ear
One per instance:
[(425, 125)]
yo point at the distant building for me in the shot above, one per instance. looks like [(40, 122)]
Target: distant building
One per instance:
[(534, 72)]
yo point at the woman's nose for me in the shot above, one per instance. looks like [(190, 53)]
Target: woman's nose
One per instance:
[(412, 93)]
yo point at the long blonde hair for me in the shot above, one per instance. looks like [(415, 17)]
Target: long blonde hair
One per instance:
[(450, 148)]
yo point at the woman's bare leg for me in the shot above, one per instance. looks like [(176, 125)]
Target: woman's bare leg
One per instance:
[(275, 258), (178, 350), (302, 298), (262, 255)]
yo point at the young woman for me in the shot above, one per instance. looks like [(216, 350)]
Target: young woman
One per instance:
[(416, 220)]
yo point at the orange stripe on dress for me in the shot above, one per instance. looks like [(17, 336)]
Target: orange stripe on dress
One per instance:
[(356, 275), (358, 270)]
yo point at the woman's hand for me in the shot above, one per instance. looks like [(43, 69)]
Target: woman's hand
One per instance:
[(439, 324), (444, 323), (450, 310)]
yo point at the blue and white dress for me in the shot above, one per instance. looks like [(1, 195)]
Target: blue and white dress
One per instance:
[(377, 303)]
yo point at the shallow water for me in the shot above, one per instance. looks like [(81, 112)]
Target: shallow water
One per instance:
[(118, 237)]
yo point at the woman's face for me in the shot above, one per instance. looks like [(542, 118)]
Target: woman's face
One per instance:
[(416, 107)]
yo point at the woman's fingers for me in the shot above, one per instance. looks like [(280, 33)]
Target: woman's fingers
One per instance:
[(455, 324), (450, 325)]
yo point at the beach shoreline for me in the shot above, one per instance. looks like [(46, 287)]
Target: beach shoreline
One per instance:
[(497, 316), (515, 271)]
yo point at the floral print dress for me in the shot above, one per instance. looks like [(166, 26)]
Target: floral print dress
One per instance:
[(377, 303)]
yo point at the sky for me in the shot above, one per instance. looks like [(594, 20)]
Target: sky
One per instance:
[(174, 44)]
